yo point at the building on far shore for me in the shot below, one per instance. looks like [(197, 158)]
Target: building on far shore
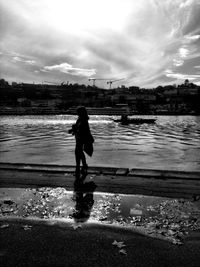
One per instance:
[(56, 99)]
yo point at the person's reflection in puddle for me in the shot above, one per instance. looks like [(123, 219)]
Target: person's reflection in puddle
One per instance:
[(83, 195)]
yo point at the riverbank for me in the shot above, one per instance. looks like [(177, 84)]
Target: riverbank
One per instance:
[(20, 111), (107, 179), (57, 239)]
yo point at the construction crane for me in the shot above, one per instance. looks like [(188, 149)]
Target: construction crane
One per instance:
[(94, 79), (112, 81)]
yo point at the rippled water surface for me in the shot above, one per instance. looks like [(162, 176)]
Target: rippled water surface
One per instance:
[(173, 142)]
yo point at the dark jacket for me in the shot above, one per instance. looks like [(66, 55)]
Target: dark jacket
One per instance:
[(83, 135), (82, 131)]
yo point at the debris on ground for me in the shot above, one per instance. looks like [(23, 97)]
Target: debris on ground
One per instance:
[(119, 244), (3, 226), (76, 226), (26, 227), (123, 251), (172, 219)]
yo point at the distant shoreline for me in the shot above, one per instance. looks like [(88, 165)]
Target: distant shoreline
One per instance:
[(44, 112)]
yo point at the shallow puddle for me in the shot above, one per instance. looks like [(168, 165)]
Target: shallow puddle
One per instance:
[(172, 218), (58, 202)]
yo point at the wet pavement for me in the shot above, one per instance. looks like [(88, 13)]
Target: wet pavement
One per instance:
[(171, 219)]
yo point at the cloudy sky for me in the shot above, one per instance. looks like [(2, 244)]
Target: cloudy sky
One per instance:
[(146, 42)]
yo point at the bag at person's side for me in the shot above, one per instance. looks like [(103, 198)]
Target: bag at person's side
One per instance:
[(88, 145), (90, 139), (88, 148)]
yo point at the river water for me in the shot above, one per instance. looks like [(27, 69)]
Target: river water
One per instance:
[(172, 143)]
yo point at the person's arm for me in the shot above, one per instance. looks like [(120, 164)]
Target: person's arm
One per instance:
[(73, 130)]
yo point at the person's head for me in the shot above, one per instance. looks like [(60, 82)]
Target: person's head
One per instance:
[(82, 113)]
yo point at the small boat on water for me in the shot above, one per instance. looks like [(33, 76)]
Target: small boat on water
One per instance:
[(125, 120)]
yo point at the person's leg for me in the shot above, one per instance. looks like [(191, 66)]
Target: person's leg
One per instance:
[(83, 159), (78, 158), (84, 165)]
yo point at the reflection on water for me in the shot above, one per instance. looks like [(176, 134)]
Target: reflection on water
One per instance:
[(47, 202), (171, 143)]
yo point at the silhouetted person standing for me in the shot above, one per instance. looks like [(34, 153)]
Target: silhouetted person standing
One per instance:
[(84, 140)]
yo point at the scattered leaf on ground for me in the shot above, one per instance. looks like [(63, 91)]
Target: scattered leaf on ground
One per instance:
[(4, 226), (119, 244), (27, 227), (76, 226), (177, 242), (92, 176), (122, 251)]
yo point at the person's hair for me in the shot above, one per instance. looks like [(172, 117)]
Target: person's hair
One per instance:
[(82, 113)]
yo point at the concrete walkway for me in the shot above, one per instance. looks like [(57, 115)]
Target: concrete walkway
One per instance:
[(46, 243), (107, 179)]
